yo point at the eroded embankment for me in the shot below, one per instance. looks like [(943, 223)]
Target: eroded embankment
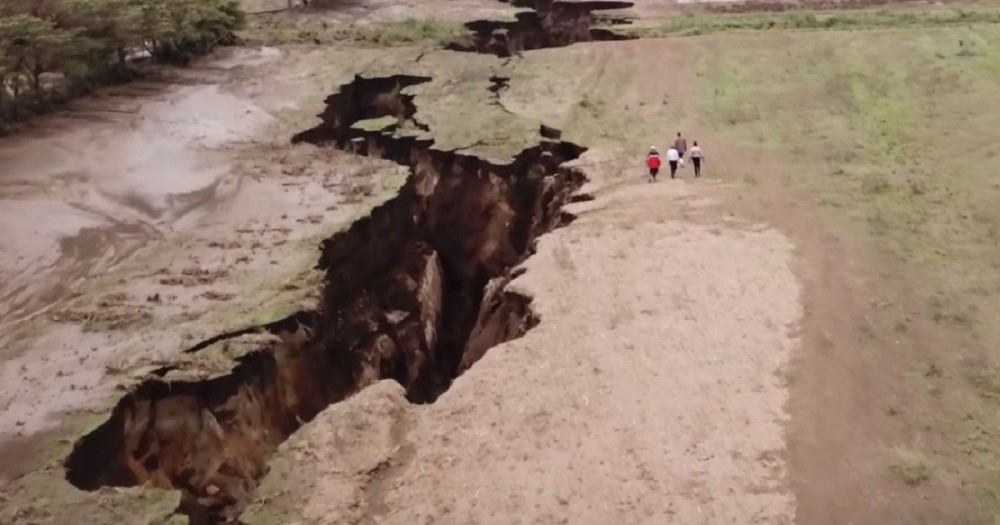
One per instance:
[(414, 292), (549, 23)]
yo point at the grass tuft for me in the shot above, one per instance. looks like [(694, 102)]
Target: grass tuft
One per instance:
[(910, 466)]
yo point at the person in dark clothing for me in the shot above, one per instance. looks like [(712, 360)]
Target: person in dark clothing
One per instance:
[(653, 163), (681, 145), (697, 157)]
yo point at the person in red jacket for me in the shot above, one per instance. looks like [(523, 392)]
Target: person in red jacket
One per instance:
[(653, 163)]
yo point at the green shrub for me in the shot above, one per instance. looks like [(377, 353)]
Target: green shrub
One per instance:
[(803, 20), (92, 42)]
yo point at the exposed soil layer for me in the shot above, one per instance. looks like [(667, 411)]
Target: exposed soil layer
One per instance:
[(549, 23), (282, 328), (416, 292)]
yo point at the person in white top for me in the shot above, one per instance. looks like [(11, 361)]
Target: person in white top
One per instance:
[(673, 157), (697, 156)]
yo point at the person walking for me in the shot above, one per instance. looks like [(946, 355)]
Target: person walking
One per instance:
[(697, 157), (653, 163), (680, 144), (673, 157)]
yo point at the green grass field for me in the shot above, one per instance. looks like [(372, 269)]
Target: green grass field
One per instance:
[(892, 134), (698, 23)]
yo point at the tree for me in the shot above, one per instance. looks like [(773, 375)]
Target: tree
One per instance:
[(6, 109), (33, 46), (88, 41), (114, 27), (191, 27)]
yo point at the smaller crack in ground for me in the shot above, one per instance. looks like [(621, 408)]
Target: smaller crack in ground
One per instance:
[(498, 85)]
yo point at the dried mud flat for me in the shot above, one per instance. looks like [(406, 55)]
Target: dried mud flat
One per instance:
[(614, 361), (145, 242)]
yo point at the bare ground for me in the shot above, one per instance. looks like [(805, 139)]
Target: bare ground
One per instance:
[(691, 366), (654, 345), (190, 213)]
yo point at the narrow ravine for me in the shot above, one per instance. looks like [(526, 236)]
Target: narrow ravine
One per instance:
[(545, 24), (415, 292)]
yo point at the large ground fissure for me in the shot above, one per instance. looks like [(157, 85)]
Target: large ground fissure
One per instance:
[(544, 24), (416, 292)]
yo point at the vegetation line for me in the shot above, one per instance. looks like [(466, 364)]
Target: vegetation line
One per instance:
[(291, 28), (697, 23), (54, 50)]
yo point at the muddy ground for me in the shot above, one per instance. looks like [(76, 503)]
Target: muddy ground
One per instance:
[(501, 319)]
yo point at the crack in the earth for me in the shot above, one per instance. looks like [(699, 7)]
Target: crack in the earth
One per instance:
[(415, 292), (546, 24), (498, 85)]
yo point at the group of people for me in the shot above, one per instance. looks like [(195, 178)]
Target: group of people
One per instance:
[(675, 158)]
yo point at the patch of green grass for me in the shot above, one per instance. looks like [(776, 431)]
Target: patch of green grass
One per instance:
[(284, 302), (257, 515), (44, 496), (416, 31), (298, 28), (888, 129), (694, 23), (273, 505), (910, 466), (987, 384), (376, 124)]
